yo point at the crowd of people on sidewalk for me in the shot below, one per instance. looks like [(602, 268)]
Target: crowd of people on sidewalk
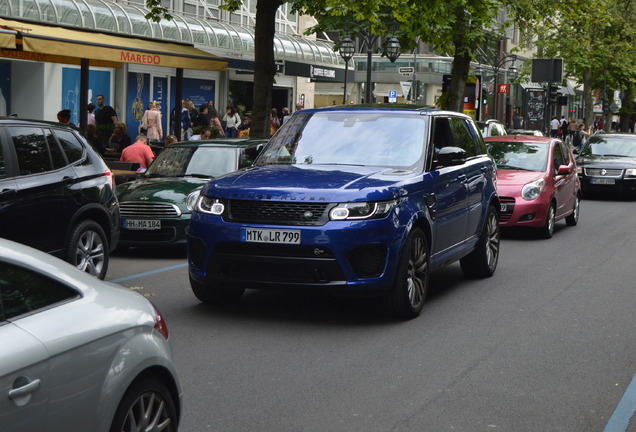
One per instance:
[(203, 122)]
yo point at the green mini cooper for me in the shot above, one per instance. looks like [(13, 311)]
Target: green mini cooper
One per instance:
[(155, 209)]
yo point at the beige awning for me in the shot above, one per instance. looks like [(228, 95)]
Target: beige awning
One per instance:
[(7, 38), (62, 42)]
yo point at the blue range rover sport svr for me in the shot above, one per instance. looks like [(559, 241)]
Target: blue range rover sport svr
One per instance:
[(355, 200)]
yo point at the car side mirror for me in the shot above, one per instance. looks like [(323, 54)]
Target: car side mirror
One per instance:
[(565, 170), (451, 156)]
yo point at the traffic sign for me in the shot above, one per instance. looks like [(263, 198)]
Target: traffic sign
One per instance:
[(406, 69), (406, 88), (392, 96)]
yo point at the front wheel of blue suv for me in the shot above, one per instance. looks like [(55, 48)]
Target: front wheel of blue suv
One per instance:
[(408, 294)]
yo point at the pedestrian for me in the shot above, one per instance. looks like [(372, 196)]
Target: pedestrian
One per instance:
[(599, 125), (170, 139), (564, 128), (232, 122), (517, 121), (90, 116), (64, 117), (580, 136), (244, 128), (274, 122), (285, 112), (215, 122), (151, 122), (93, 139), (139, 152), (203, 119), (119, 140), (206, 134), (186, 121), (104, 114), (554, 127)]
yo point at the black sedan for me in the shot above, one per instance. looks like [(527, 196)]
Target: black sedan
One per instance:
[(607, 163)]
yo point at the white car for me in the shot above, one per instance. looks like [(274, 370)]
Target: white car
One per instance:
[(79, 354)]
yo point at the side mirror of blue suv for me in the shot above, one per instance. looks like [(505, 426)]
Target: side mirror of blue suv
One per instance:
[(355, 200)]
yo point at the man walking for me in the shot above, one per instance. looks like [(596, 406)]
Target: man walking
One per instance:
[(104, 114)]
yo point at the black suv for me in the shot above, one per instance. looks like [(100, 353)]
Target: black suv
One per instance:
[(57, 194)]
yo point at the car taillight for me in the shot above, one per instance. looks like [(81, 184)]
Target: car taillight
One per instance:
[(160, 324), (108, 173)]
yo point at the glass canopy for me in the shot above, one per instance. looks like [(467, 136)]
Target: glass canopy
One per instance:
[(129, 19)]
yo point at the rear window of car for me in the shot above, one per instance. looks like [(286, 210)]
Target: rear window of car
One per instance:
[(31, 149), (24, 291), (71, 145)]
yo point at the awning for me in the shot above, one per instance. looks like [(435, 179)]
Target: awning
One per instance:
[(64, 42), (531, 85), (7, 38)]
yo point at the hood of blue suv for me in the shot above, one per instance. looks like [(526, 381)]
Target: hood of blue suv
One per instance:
[(325, 183)]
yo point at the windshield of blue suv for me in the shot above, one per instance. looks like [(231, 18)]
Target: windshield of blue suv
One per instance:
[(519, 155), (610, 145), (180, 161), (349, 138)]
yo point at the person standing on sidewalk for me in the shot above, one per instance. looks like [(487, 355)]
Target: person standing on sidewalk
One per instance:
[(554, 127), (104, 114)]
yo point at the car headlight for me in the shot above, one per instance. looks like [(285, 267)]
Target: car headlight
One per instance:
[(579, 170), (532, 190), (191, 201), (210, 205), (361, 210), (631, 172)]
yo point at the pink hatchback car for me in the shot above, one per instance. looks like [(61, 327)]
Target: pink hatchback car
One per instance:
[(536, 181)]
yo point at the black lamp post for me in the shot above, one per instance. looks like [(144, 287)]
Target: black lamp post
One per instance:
[(505, 59), (478, 73), (393, 51), (346, 50)]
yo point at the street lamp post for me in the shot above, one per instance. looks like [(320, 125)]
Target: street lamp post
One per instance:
[(393, 50), (500, 63), (478, 74), (346, 50)]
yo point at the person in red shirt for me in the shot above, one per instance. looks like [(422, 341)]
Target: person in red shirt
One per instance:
[(140, 152)]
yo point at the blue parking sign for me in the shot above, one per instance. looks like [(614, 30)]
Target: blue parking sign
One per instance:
[(392, 95)]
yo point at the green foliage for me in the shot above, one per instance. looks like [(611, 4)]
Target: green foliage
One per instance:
[(157, 11)]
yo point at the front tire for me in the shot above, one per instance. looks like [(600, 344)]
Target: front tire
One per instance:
[(547, 231), (215, 295), (482, 262), (406, 298), (147, 406), (87, 248), (573, 219)]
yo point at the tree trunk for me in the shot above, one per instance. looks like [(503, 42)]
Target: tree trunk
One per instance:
[(459, 74), (264, 67), (588, 112), (461, 63)]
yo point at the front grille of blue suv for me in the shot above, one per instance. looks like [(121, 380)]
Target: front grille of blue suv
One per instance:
[(355, 200)]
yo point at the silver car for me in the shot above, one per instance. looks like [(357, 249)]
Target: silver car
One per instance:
[(79, 354)]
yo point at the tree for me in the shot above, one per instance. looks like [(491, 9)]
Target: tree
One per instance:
[(594, 38)]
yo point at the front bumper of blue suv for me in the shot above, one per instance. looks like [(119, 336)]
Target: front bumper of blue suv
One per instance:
[(339, 255)]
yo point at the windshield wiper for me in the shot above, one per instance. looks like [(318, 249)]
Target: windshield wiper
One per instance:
[(154, 175), (614, 155), (200, 175)]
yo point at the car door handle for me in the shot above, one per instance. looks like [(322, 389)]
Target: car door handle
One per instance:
[(483, 169), (68, 179), (25, 390), (8, 192), (461, 178)]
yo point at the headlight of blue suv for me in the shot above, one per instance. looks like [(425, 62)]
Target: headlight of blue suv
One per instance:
[(210, 205), (361, 210), (630, 172), (532, 190), (191, 201)]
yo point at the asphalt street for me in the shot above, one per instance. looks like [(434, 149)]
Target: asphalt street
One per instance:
[(546, 344)]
